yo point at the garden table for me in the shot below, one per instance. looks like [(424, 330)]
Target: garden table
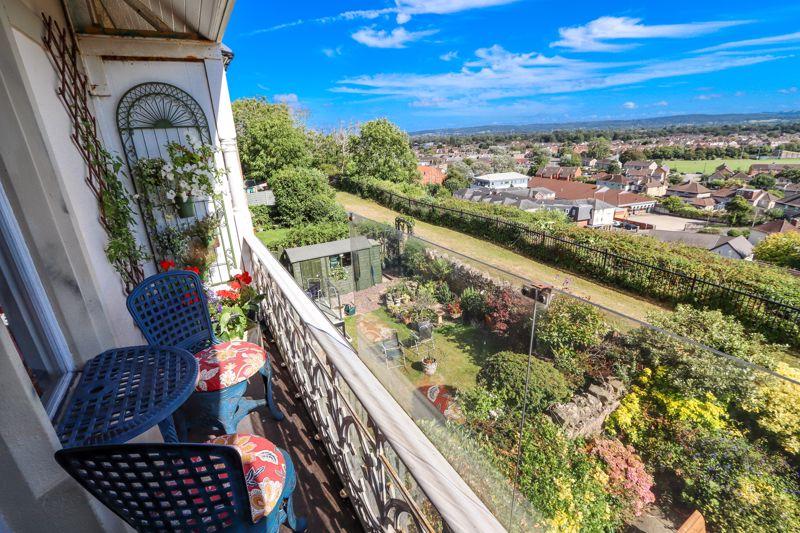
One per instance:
[(124, 392)]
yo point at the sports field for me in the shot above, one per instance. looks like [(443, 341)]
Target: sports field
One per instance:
[(707, 166)]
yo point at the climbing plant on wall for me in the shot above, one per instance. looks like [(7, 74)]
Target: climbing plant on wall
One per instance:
[(103, 169)]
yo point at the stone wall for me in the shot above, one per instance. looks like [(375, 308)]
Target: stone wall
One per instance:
[(585, 414)]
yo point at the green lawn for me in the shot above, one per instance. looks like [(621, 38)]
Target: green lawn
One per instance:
[(271, 236), (708, 166), (460, 350)]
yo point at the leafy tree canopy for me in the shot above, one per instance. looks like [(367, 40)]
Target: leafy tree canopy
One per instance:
[(382, 151), (303, 195), (781, 249)]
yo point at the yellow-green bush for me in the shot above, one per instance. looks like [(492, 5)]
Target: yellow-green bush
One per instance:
[(776, 404)]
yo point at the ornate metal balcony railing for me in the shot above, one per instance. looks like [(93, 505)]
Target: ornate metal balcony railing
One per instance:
[(396, 478)]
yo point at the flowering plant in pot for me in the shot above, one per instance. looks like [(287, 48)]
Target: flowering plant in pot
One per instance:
[(233, 310), (429, 365)]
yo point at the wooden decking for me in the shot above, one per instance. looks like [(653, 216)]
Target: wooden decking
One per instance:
[(317, 495)]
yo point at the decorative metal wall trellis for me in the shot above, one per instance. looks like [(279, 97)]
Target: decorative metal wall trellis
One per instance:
[(149, 117), (73, 90)]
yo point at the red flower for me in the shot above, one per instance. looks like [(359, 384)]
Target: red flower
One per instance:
[(228, 295), (166, 265), (193, 269), (244, 277), (235, 285)]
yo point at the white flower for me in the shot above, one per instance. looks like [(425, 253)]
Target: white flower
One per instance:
[(197, 191), (170, 195), (135, 196), (183, 185)]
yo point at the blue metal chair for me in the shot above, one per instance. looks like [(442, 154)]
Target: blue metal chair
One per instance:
[(178, 487), (171, 309)]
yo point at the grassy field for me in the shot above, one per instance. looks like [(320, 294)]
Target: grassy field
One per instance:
[(460, 350), (270, 236), (708, 166), (500, 257)]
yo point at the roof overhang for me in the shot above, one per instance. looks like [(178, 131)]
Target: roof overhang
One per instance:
[(196, 19)]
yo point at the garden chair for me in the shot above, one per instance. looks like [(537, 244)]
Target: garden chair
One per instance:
[(237, 483), (171, 309), (423, 337), (393, 354)]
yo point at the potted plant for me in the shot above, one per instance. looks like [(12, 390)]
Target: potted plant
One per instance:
[(233, 310), (429, 365), (189, 174), (454, 308)]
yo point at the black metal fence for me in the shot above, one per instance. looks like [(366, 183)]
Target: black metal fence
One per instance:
[(779, 320)]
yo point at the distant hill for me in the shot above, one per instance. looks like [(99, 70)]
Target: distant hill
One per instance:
[(639, 123)]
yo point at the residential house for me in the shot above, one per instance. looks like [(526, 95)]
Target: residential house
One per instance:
[(762, 231), (560, 173), (614, 181), (730, 247), (649, 166), (689, 190), (758, 198), (626, 202), (770, 168), (501, 180), (723, 196), (588, 161), (431, 175), (653, 187), (789, 204)]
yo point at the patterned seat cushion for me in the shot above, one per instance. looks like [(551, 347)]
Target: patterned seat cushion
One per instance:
[(264, 470), (227, 364)]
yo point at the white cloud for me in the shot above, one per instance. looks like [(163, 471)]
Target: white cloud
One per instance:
[(289, 99), (747, 43), (788, 90), (397, 38), (449, 56), (629, 105), (497, 75), (661, 103), (332, 52), (708, 96), (595, 36)]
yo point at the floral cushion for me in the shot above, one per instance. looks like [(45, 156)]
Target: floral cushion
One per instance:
[(264, 470), (228, 363)]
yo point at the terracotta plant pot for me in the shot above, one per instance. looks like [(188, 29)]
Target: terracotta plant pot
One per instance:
[(429, 366)]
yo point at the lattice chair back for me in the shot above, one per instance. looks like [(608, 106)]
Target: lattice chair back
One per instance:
[(171, 309), (165, 487)]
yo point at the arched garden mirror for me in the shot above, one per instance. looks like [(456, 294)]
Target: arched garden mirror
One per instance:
[(167, 144)]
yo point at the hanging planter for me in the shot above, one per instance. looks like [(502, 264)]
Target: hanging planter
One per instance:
[(185, 208)]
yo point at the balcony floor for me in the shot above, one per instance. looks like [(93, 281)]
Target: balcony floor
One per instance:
[(317, 494)]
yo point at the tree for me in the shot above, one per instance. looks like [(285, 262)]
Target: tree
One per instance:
[(672, 203), (268, 138), (763, 181), (614, 167), (781, 249), (479, 166), (459, 176), (330, 152), (540, 160), (631, 154), (503, 163), (302, 196), (739, 211), (382, 151), (790, 174), (599, 148)]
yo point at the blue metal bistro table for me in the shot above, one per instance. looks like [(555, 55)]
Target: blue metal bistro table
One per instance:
[(124, 392)]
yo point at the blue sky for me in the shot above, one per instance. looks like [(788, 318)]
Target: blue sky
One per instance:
[(449, 63)]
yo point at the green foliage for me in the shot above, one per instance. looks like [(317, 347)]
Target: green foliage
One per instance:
[(790, 174), (776, 404), (736, 232), (382, 151), (762, 181), (506, 374), (459, 176), (261, 218), (473, 303), (599, 148), (694, 370), (566, 330), (739, 211), (306, 234), (781, 249), (562, 481), (631, 154), (330, 153), (268, 138), (303, 196)]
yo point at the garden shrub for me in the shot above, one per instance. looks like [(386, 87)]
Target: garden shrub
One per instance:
[(302, 196), (776, 404), (306, 234), (473, 304), (566, 330), (562, 481), (505, 374), (443, 293), (480, 404), (260, 215), (695, 370), (628, 479)]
